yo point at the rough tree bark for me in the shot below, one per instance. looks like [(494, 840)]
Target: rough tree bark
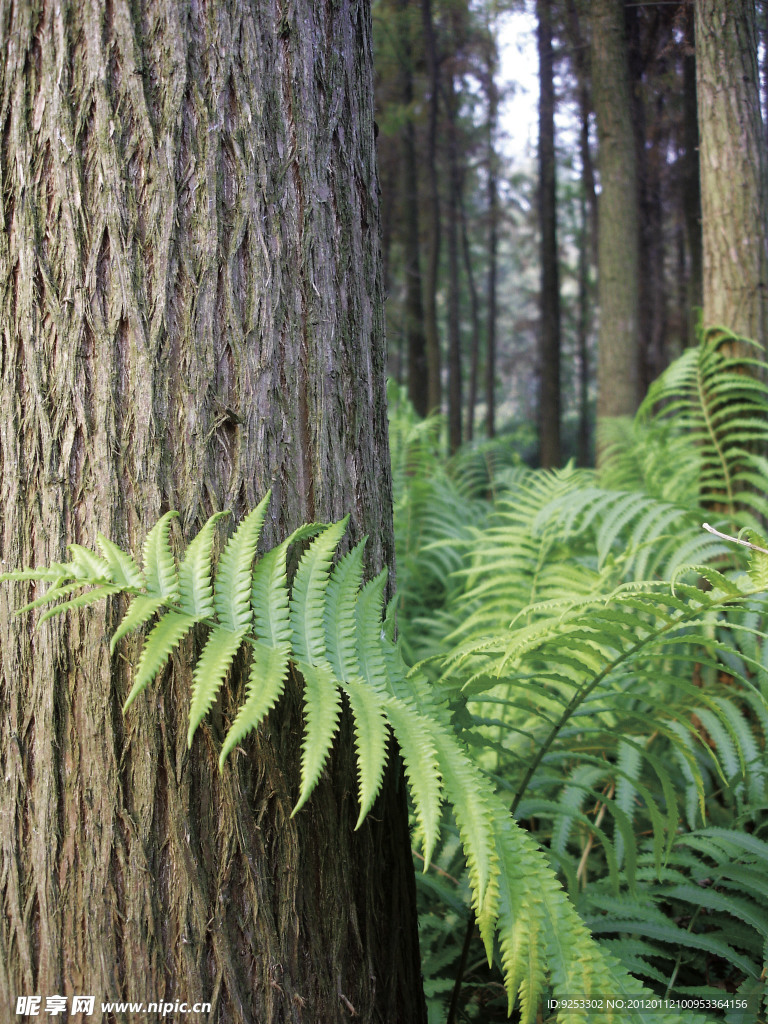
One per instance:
[(190, 312), (733, 167), (618, 238)]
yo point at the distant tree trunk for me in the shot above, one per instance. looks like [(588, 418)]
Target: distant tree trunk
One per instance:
[(454, 306), (493, 246), (190, 313), (581, 64), (418, 381), (474, 312), (691, 197), (434, 360), (582, 331), (549, 296), (618, 273), (733, 168)]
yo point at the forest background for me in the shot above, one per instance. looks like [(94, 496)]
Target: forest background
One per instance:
[(537, 300)]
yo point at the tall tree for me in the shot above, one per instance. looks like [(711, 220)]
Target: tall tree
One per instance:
[(190, 312), (453, 210), (549, 295), (618, 237), (418, 382), (433, 204), (493, 246), (733, 168)]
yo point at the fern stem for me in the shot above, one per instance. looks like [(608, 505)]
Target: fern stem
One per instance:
[(734, 540)]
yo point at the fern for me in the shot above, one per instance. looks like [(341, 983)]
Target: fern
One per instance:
[(329, 630)]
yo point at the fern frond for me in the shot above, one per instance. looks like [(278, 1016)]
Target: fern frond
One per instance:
[(308, 594), (163, 639), (212, 666), (322, 707), (81, 601), (266, 681), (421, 768), (123, 571), (195, 588), (339, 613), (269, 590), (232, 589), (140, 610), (159, 565), (88, 566), (371, 734)]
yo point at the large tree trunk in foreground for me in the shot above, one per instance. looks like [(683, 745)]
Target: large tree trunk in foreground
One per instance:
[(618, 238), (733, 169), (190, 313)]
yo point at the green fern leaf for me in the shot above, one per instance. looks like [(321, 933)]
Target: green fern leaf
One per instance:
[(308, 595), (339, 614), (195, 591), (165, 636), (421, 769), (371, 736), (322, 707), (123, 570), (140, 610), (88, 566), (52, 594), (81, 601), (232, 591), (159, 566), (212, 666), (266, 681), (269, 590), (368, 634)]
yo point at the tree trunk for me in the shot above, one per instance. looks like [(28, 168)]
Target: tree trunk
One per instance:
[(617, 369), (454, 326), (733, 169), (549, 295), (418, 381), (691, 197), (433, 255), (191, 312), (474, 312), (493, 248)]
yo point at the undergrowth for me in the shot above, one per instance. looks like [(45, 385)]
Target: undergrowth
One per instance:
[(602, 662)]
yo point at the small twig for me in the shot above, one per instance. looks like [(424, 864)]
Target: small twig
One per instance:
[(734, 540)]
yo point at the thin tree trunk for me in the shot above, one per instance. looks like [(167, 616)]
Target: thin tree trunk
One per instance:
[(493, 247), (454, 325), (434, 360), (691, 198), (581, 65), (418, 380), (549, 295), (582, 335), (190, 313), (474, 311), (618, 240)]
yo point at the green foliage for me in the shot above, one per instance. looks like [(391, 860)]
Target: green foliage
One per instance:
[(605, 659), (330, 631)]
